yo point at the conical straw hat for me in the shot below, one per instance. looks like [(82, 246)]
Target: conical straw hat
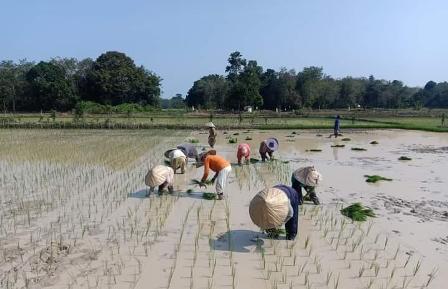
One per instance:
[(156, 176), (272, 143), (269, 208), (167, 153), (308, 176), (210, 124)]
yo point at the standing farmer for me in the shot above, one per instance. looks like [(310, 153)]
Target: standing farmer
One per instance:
[(177, 159), (243, 151), (337, 126), (268, 147), (273, 207), (307, 178), (211, 134), (220, 166), (161, 176)]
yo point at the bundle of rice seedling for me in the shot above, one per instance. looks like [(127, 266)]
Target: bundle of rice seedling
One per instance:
[(248, 138), (290, 136), (338, 146), (404, 158), (357, 212), (200, 183), (376, 178), (193, 140), (346, 139), (374, 142), (314, 150), (254, 161), (319, 135), (275, 233), (233, 140), (237, 133), (209, 196), (358, 149), (293, 132)]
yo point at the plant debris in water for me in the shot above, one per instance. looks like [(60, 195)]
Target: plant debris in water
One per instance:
[(209, 196), (233, 140), (358, 149), (275, 233), (376, 178), (237, 133), (374, 142), (346, 139), (248, 138), (357, 212), (404, 158), (314, 150), (338, 146)]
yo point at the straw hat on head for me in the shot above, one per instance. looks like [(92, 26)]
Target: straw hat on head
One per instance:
[(272, 143), (202, 156), (269, 208), (167, 153), (156, 176), (210, 124), (308, 176)]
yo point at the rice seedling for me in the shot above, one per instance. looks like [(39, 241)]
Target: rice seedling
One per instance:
[(233, 140), (275, 233), (404, 158), (201, 183), (431, 277), (193, 140), (375, 178), (358, 149), (357, 212)]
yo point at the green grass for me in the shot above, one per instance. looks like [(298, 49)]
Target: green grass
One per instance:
[(404, 158), (375, 178), (358, 149), (357, 212)]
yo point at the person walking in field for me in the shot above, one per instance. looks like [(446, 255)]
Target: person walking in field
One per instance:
[(161, 176), (211, 134), (220, 166), (337, 126), (189, 150), (178, 159), (307, 178), (267, 148), (243, 151), (277, 206)]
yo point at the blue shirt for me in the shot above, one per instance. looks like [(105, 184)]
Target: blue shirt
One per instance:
[(295, 199)]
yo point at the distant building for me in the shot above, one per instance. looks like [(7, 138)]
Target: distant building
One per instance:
[(248, 108)]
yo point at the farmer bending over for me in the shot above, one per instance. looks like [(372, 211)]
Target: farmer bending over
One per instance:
[(177, 159), (307, 178), (243, 151), (161, 176), (220, 166), (189, 150), (268, 147)]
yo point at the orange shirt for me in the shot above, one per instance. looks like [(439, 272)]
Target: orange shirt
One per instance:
[(214, 163)]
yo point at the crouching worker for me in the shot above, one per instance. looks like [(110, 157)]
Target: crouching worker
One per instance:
[(220, 166), (307, 178), (178, 159), (268, 147), (161, 176), (243, 151), (275, 207)]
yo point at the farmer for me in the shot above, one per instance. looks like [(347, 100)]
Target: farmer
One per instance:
[(307, 178), (220, 166), (273, 207), (337, 126), (268, 147), (211, 134), (177, 159), (243, 151), (189, 150), (161, 176)]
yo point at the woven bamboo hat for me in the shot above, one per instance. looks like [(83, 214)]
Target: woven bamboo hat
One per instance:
[(308, 176), (156, 176), (269, 208)]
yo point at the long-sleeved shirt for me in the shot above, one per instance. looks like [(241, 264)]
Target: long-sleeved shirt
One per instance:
[(336, 124), (295, 200), (215, 163), (174, 154), (264, 148), (189, 150), (243, 151)]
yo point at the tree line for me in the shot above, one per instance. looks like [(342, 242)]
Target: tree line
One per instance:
[(247, 84), (63, 83), (113, 82)]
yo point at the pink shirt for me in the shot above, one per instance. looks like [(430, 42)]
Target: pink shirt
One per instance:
[(243, 151)]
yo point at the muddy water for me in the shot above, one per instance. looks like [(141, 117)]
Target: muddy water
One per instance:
[(413, 207)]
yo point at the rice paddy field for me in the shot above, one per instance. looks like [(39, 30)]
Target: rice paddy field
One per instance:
[(74, 212)]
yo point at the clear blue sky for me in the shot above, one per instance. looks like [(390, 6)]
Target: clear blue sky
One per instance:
[(182, 40)]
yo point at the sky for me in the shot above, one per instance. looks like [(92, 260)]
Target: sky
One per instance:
[(183, 40)]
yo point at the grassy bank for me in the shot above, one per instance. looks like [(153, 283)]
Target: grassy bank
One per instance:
[(223, 121)]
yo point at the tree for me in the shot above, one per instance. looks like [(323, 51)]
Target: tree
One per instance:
[(236, 65), (307, 84), (50, 88), (208, 92), (114, 79)]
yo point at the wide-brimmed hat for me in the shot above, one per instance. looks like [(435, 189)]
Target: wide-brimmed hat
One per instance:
[(308, 176), (272, 143), (167, 153), (202, 156), (210, 124), (156, 176), (269, 208)]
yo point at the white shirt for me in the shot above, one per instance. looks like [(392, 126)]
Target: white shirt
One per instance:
[(174, 154)]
